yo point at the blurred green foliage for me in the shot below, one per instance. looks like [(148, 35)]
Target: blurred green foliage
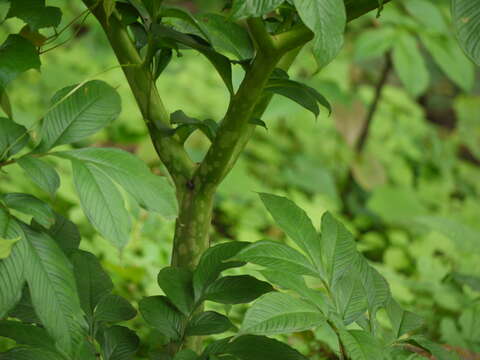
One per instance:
[(414, 199)]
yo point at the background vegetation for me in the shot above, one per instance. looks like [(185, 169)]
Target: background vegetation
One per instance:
[(408, 188)]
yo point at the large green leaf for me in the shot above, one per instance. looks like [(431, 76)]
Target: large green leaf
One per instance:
[(435, 20), (26, 334), (212, 263), (186, 354), (30, 205), (296, 224), (159, 313), (53, 291), (12, 275), (327, 19), (361, 345), (119, 343), (102, 203), (350, 297), (6, 246), (13, 138), (35, 13), (236, 289), (448, 55), (93, 282), (65, 233), (251, 347), (78, 112), (177, 285), (41, 173), (253, 8), (276, 256), (113, 308), (29, 353), (409, 64), (466, 18), (207, 323), (338, 248), (278, 313), (153, 192), (402, 321), (17, 55)]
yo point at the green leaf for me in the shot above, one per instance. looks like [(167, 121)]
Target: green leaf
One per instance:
[(438, 351), (26, 334), (338, 249), (350, 297), (208, 323), (177, 285), (113, 308), (92, 281), (41, 173), (78, 112), (13, 138), (65, 233), (212, 263), (5, 104), (374, 43), (184, 15), (17, 55), (35, 13), (448, 55), (127, 12), (296, 224), (278, 313), (159, 313), (108, 8), (227, 36), (102, 203), (276, 256), (361, 345), (469, 280), (23, 309), (236, 289), (30, 205), (253, 8), (327, 20), (208, 127), (53, 291), (434, 21), (251, 347), (302, 94), (221, 63), (402, 321), (186, 354), (466, 18), (119, 343), (152, 192), (6, 246), (409, 64), (29, 353), (470, 323)]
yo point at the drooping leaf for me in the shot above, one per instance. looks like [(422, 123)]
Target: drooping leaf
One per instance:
[(338, 248), (466, 18), (65, 233), (278, 313), (207, 323), (53, 290), (402, 321), (17, 55), (236, 289), (92, 281), (102, 203), (35, 13), (11, 268), (177, 283), (78, 112), (159, 313), (113, 308), (119, 343), (227, 36), (13, 138), (253, 8), (409, 64), (184, 15), (208, 127), (327, 19), (251, 347), (26, 334), (152, 192), (30, 205), (361, 345), (41, 173), (451, 59), (296, 224), (276, 256), (212, 263)]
